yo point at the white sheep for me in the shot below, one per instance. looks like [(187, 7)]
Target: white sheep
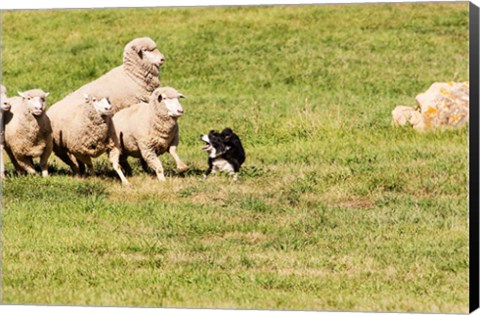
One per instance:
[(84, 131), (146, 130), (28, 131), (5, 107), (130, 83)]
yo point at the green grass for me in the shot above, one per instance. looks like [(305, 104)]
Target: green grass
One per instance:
[(334, 209)]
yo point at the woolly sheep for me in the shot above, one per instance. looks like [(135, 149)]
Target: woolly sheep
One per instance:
[(84, 131), (146, 130), (130, 83), (28, 131), (5, 107)]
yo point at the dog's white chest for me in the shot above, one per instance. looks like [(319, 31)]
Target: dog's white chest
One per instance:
[(222, 165)]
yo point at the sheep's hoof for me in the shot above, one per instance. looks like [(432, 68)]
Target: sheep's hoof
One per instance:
[(182, 167)]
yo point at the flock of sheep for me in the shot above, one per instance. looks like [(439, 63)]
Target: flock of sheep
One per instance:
[(123, 113)]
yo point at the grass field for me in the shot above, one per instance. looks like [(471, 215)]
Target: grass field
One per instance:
[(334, 209)]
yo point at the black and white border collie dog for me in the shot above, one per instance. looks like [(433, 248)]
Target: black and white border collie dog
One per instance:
[(225, 152)]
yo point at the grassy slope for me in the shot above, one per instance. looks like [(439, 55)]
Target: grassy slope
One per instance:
[(335, 209)]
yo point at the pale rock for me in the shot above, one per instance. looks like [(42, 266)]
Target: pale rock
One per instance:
[(443, 105)]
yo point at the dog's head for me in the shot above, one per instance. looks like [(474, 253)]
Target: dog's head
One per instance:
[(215, 144)]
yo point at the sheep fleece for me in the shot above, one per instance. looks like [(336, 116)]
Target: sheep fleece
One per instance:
[(140, 125), (80, 129), (26, 134), (127, 84)]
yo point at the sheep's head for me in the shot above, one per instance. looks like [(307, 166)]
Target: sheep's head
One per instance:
[(36, 100), (170, 98), (103, 106), (144, 51), (5, 102)]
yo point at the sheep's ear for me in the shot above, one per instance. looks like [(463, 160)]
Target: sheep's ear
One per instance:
[(180, 95), (22, 94), (138, 51), (47, 94)]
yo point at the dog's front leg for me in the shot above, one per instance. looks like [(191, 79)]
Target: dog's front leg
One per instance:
[(209, 169)]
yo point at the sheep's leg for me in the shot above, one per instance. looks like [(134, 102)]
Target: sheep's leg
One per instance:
[(67, 159), (26, 164), (89, 163), (44, 159), (2, 164), (181, 166), (13, 159), (82, 160), (81, 168), (153, 162), (114, 157), (124, 164), (30, 160), (78, 168), (144, 164)]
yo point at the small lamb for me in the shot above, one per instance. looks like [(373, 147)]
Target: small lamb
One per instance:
[(5, 107), (146, 130), (28, 131), (85, 131)]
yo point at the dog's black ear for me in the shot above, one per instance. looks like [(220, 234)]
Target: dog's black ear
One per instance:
[(227, 133)]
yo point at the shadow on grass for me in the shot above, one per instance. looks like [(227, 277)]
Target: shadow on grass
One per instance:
[(105, 171)]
